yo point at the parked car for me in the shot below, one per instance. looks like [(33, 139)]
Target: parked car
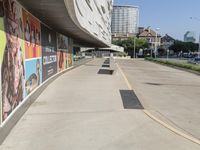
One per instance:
[(195, 60)]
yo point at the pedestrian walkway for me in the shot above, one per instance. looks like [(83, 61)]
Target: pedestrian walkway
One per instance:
[(85, 110)]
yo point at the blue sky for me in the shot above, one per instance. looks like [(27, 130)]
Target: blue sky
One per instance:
[(171, 16)]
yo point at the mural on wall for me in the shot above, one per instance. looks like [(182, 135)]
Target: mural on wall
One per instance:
[(62, 43), (61, 60), (33, 52), (49, 55), (12, 68), (2, 47), (32, 36), (33, 75), (70, 53), (29, 54)]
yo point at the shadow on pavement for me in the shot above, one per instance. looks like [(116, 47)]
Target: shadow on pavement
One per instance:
[(156, 84)]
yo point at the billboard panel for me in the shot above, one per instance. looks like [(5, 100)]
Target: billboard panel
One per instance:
[(12, 66), (33, 75), (62, 47), (62, 42), (49, 55), (61, 60), (33, 52), (70, 53), (32, 36), (2, 47)]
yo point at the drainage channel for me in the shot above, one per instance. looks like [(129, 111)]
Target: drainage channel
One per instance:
[(106, 68)]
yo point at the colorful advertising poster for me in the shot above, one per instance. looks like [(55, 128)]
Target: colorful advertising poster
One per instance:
[(69, 59), (33, 75), (61, 60), (2, 47), (32, 36), (12, 61), (70, 53), (49, 55), (62, 42)]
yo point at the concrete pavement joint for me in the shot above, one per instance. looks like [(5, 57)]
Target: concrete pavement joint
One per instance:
[(154, 118), (78, 112)]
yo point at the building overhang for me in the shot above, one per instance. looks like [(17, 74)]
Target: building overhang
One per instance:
[(113, 48), (60, 15)]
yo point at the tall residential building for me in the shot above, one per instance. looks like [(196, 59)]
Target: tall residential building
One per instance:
[(190, 36), (125, 22)]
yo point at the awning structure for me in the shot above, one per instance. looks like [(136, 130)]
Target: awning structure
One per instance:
[(113, 48), (60, 15)]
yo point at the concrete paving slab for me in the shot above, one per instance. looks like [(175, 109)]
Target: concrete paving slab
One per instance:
[(83, 110), (173, 93)]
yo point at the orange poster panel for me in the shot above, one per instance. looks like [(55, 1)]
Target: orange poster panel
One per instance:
[(32, 36)]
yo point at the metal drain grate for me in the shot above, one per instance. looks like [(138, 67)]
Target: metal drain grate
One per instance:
[(130, 100), (106, 72), (106, 62), (106, 65)]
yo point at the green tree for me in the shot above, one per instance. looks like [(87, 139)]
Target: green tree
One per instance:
[(185, 47), (129, 44)]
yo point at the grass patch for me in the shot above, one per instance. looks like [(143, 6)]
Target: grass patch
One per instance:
[(178, 64)]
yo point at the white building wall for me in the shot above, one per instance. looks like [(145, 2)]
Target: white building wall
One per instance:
[(95, 17)]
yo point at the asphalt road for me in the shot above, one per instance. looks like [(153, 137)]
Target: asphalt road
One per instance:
[(172, 95)]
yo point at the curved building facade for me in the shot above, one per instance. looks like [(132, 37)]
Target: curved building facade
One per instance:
[(86, 21), (37, 40), (94, 16)]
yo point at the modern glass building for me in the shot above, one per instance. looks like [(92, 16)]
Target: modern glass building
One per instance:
[(125, 20)]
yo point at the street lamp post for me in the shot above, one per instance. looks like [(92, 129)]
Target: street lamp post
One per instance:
[(168, 54), (134, 47), (156, 41)]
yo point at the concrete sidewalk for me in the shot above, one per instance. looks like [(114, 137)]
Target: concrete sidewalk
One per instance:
[(83, 110)]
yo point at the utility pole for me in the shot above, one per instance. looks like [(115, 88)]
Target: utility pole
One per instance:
[(156, 41), (134, 47)]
